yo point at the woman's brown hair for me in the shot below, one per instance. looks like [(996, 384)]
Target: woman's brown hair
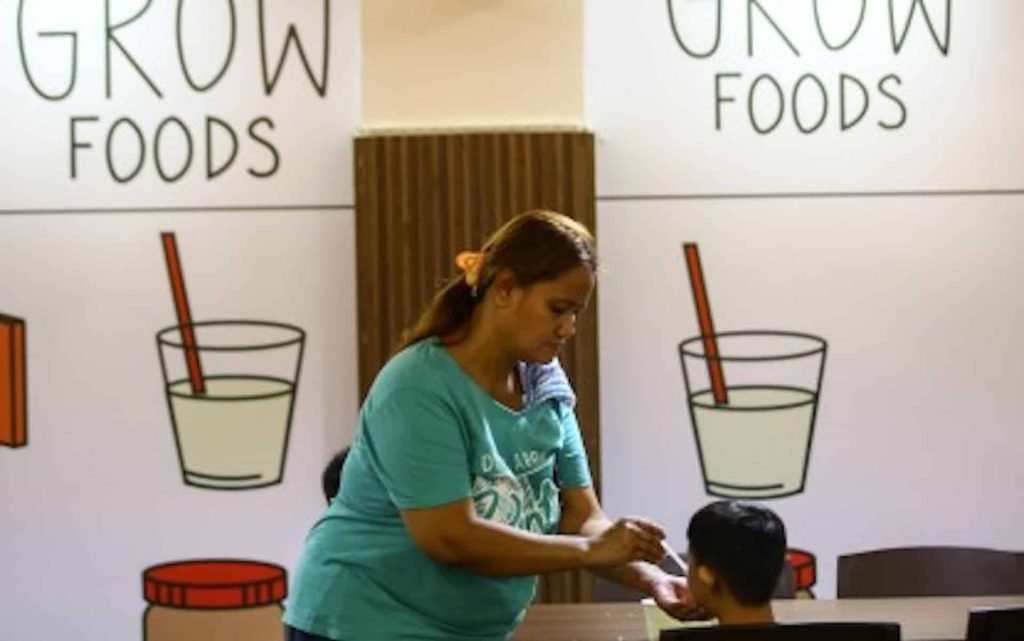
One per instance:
[(535, 246)]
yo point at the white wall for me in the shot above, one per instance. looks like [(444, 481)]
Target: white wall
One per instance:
[(454, 64)]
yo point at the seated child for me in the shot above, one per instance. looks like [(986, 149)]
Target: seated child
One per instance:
[(736, 554), (331, 476)]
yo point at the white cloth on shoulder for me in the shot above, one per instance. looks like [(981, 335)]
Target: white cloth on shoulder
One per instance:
[(546, 381)]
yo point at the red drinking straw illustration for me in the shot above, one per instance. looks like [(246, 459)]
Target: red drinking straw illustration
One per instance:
[(13, 397), (707, 327), (188, 337)]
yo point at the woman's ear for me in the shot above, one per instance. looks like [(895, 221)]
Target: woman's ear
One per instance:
[(503, 285)]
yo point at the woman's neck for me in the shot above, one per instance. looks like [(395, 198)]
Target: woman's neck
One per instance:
[(484, 358)]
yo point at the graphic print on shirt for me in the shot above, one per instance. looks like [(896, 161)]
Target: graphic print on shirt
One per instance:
[(510, 498)]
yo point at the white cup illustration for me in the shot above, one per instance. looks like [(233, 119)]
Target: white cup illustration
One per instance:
[(757, 444), (233, 433)]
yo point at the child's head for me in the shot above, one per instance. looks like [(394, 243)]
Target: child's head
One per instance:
[(331, 477), (736, 554)]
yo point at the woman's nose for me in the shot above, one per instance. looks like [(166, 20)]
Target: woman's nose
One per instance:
[(567, 328)]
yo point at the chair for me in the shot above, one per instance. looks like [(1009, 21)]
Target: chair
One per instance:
[(607, 591), (995, 624), (929, 571), (788, 632)]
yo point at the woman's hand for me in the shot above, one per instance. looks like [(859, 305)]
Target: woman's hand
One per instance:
[(628, 539), (672, 594)]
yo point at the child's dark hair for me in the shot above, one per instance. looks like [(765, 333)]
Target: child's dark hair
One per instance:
[(331, 477), (743, 544), (535, 246)]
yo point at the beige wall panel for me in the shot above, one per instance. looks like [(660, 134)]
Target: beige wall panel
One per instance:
[(472, 63)]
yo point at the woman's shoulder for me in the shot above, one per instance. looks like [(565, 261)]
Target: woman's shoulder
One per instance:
[(418, 367)]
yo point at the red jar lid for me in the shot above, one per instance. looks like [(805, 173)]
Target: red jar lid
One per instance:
[(214, 584), (804, 567)]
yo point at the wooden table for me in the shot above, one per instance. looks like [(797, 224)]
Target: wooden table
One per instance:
[(921, 619)]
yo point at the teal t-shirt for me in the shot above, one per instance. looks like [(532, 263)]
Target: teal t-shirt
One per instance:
[(429, 435)]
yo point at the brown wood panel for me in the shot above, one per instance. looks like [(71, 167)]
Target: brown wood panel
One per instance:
[(421, 199)]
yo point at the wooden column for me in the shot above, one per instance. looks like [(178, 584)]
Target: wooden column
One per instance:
[(420, 199)]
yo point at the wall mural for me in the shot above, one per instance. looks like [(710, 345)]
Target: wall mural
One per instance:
[(230, 387), (221, 128), (160, 64), (848, 170), (805, 571), (849, 97), (753, 434), (199, 599)]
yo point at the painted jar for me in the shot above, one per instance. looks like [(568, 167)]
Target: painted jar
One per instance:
[(214, 600), (805, 572)]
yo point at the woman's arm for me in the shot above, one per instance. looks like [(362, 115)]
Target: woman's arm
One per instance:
[(582, 514), (454, 535)]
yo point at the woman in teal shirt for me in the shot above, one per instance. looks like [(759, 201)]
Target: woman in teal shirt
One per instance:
[(467, 476)]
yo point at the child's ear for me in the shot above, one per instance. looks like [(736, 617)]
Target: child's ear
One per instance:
[(707, 577)]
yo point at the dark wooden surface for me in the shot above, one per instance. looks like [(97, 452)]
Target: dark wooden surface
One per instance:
[(921, 619)]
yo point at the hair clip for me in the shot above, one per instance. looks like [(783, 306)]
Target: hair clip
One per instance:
[(470, 263)]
